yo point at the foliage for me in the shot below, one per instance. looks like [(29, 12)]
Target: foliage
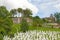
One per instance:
[(57, 16), (13, 12), (7, 27), (45, 20), (24, 25), (20, 10), (27, 12), (5, 21), (15, 28), (37, 21)]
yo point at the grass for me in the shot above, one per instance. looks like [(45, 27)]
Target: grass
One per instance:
[(48, 29), (16, 27), (44, 28)]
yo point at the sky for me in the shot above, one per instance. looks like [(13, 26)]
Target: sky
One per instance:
[(41, 8), (46, 7)]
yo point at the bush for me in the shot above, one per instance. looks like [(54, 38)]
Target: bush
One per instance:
[(5, 22), (24, 25)]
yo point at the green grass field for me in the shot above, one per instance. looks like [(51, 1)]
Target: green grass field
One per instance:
[(16, 27), (32, 29)]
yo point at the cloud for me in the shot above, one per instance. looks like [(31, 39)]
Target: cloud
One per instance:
[(11, 4), (57, 6), (47, 7), (43, 7)]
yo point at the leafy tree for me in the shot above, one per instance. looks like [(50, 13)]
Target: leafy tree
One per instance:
[(37, 21), (5, 21), (25, 14), (57, 17), (13, 12), (45, 20), (20, 10), (24, 25)]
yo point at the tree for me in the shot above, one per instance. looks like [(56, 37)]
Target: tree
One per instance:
[(13, 12), (25, 14), (20, 10), (37, 21), (5, 21), (57, 17), (24, 25), (44, 20)]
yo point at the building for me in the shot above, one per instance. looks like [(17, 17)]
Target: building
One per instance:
[(19, 19), (51, 21)]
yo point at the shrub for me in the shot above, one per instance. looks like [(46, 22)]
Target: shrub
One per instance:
[(24, 25)]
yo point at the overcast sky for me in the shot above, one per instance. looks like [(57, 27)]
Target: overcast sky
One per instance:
[(42, 8)]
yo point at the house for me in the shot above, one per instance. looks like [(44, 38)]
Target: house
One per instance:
[(50, 19), (19, 19), (51, 22)]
